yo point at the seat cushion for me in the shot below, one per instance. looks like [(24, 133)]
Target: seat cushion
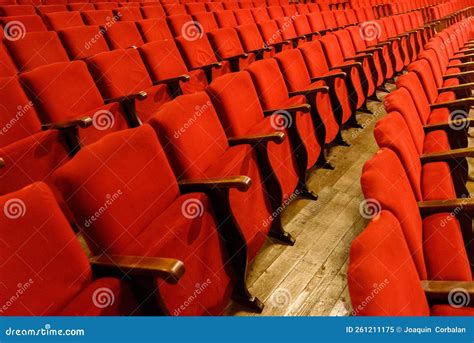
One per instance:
[(449, 311), (443, 247), (436, 141), (436, 182), (103, 297)]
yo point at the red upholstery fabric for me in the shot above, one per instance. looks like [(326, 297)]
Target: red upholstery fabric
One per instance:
[(32, 23), (99, 17), (62, 20), (260, 14), (225, 18), (180, 25), (153, 12), (13, 10), (79, 44), (449, 311), (154, 30), (382, 277), (123, 35), (200, 149), (66, 91), (7, 67), (226, 44), (244, 17), (128, 14), (150, 225), (228, 93), (206, 20), (37, 49)]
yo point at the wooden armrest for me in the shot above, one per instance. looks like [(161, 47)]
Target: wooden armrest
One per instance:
[(347, 66), (453, 125), (447, 155), (373, 49), (461, 58), (242, 183), (265, 48), (236, 57), (463, 65), (315, 90), (168, 269), (180, 78), (457, 87), (341, 75), (457, 75), (437, 206), (2, 163), (453, 104), (381, 44), (83, 123), (276, 137), (209, 66), (358, 57), (394, 39), (403, 35), (138, 96), (285, 42), (445, 291), (470, 51), (305, 108)]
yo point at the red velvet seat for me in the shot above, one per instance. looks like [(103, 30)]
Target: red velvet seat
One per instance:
[(206, 20), (195, 7), (128, 14), (225, 18), (99, 17), (227, 47), (214, 6), (13, 10), (37, 49), (44, 9), (272, 35), (244, 17), (109, 6), (40, 238), (165, 65), (189, 159), (275, 12), (123, 35), (231, 5), (198, 54), (154, 30), (66, 91), (62, 20), (107, 70), (7, 66), (80, 6), (380, 264), (276, 97), (29, 23), (260, 14), (174, 9), (78, 43), (227, 93), (153, 12), (426, 238), (252, 41), (155, 220), (183, 25)]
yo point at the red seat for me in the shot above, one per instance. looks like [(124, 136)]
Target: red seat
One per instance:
[(272, 35), (150, 225), (165, 65), (66, 91), (7, 67), (80, 6), (426, 237), (231, 5), (260, 14), (182, 25), (153, 12), (214, 6), (195, 7), (63, 284), (43, 9), (109, 6), (62, 20), (37, 49), (275, 12), (154, 30), (252, 41), (206, 20), (13, 10), (79, 44), (225, 18), (123, 35), (140, 97), (128, 13), (174, 9), (16, 26), (380, 264), (99, 17), (244, 17)]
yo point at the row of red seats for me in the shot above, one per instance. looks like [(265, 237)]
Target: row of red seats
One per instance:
[(417, 181), (111, 184)]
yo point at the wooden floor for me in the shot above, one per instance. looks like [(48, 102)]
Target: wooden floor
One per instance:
[(309, 278)]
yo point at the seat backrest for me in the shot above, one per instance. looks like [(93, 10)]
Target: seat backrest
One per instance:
[(392, 132), (128, 13), (7, 67), (18, 117), (139, 189), (37, 49), (412, 83), (99, 17), (345, 42), (244, 16), (329, 19), (43, 9), (273, 94), (385, 186), (13, 10), (153, 12), (250, 37), (275, 12), (332, 49), (83, 41), (315, 58), (196, 53), (225, 18), (423, 70), (260, 14), (226, 93), (301, 25), (400, 101), (123, 35), (302, 9), (195, 7), (270, 32), (80, 6), (37, 237), (214, 6), (163, 60), (316, 21), (154, 30), (382, 278), (15, 27), (206, 20), (293, 67), (174, 9), (191, 134), (286, 27), (231, 5), (225, 43), (105, 6), (437, 69), (62, 20), (182, 25)]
